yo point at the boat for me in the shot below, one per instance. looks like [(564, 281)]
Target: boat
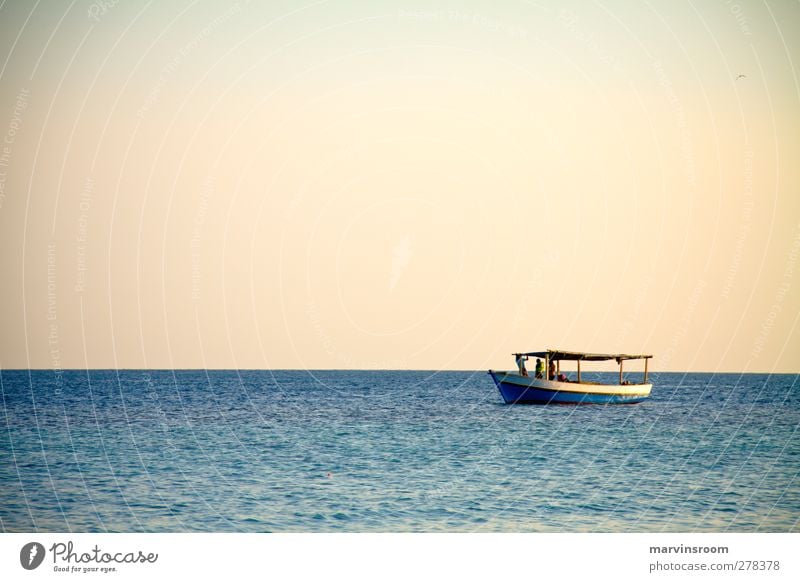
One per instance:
[(550, 386)]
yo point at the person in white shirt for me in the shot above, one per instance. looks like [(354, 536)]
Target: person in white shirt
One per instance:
[(521, 364)]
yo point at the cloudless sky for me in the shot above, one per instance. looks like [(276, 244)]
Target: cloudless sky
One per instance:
[(398, 185)]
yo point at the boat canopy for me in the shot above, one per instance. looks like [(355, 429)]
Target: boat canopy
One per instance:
[(555, 355)]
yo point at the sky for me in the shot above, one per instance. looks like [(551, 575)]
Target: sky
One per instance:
[(398, 185)]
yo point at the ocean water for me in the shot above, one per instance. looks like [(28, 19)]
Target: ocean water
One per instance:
[(286, 451)]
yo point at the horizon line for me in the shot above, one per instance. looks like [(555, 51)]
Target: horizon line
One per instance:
[(57, 370)]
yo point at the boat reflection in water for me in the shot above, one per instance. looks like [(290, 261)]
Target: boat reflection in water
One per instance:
[(547, 385)]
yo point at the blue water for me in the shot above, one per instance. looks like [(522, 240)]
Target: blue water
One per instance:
[(390, 451)]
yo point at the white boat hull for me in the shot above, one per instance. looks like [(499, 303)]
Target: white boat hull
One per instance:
[(517, 389)]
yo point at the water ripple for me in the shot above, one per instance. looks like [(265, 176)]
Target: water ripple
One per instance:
[(390, 451)]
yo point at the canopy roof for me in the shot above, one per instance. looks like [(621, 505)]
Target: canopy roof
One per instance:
[(564, 355)]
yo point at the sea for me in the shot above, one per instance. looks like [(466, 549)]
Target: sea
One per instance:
[(386, 451)]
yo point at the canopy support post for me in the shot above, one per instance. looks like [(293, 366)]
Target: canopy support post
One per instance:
[(620, 371), (645, 369), (579, 371)]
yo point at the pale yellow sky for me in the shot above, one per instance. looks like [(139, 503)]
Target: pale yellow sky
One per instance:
[(398, 185)]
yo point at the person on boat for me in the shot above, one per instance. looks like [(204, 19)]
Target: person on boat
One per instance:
[(521, 364), (563, 378), (552, 374), (539, 368)]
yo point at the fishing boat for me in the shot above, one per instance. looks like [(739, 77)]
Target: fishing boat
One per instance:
[(547, 385)]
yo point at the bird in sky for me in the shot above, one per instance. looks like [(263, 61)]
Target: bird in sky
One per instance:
[(741, 77)]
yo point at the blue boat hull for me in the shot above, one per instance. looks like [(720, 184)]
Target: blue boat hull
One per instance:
[(515, 392)]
